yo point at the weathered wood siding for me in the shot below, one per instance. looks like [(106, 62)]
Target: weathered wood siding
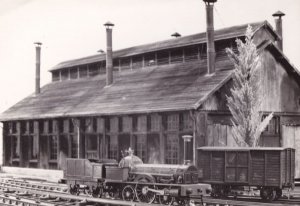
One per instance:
[(281, 92), (218, 100), (291, 138)]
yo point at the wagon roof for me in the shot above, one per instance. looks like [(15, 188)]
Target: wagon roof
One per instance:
[(240, 148)]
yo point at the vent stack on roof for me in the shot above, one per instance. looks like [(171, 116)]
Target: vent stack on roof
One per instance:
[(278, 23), (109, 53), (37, 66), (211, 53)]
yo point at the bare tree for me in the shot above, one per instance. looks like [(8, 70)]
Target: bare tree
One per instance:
[(246, 96)]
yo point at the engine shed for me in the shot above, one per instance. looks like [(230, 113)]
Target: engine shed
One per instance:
[(158, 93)]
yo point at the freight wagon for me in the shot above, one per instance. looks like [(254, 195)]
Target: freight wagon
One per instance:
[(229, 169)]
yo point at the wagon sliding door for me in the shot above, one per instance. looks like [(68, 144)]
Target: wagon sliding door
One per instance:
[(291, 138), (236, 166)]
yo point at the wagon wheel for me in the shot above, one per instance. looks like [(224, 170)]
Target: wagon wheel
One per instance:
[(165, 199), (268, 194), (128, 193), (278, 193), (97, 191), (143, 191)]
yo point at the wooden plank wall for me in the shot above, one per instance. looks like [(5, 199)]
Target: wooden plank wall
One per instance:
[(291, 138), (219, 135)]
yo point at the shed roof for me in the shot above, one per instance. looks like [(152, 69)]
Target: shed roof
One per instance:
[(172, 87), (225, 33)]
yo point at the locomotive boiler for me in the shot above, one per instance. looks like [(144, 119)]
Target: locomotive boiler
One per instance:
[(131, 180)]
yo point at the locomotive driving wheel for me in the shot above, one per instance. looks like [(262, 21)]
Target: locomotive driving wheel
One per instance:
[(128, 193), (144, 192), (165, 199)]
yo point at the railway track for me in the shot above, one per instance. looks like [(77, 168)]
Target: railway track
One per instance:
[(31, 193)]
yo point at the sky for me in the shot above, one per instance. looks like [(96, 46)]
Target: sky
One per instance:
[(72, 29)]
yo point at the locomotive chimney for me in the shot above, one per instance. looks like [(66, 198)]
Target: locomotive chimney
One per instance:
[(186, 140), (211, 53), (278, 22), (37, 66), (109, 53)]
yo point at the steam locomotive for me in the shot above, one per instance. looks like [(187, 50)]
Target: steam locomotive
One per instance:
[(131, 180), (222, 172)]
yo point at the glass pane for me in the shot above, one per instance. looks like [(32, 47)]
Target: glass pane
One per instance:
[(242, 174), (231, 158), (230, 174), (242, 159)]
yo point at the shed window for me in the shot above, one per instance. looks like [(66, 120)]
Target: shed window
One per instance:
[(191, 54), (172, 149), (65, 74), (176, 56), (141, 146), (113, 147), (125, 63), (163, 57), (55, 76), (173, 122), (187, 121), (137, 62), (149, 59), (33, 147), (93, 70), (83, 71), (155, 123), (74, 73), (142, 124), (15, 147), (273, 127), (74, 146), (53, 147), (12, 127)]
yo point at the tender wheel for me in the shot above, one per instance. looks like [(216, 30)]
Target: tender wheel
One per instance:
[(144, 193), (268, 194), (74, 190), (128, 193), (165, 199), (181, 201), (97, 192)]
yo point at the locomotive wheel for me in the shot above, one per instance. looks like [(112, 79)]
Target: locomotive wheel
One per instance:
[(74, 190), (165, 199), (268, 194), (181, 201), (128, 193), (143, 194), (97, 192)]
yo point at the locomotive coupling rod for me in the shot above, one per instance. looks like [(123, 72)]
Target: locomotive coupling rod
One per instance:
[(164, 191)]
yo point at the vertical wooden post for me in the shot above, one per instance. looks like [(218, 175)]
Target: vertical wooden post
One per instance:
[(36, 135), (19, 143), (162, 140)]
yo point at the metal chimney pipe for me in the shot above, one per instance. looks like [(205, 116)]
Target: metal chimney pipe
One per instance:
[(186, 140), (37, 66), (210, 36), (278, 23), (109, 53)]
